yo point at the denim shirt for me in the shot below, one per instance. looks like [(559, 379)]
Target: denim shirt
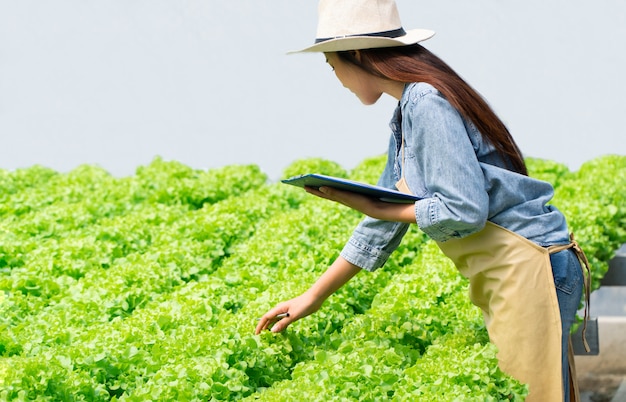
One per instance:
[(460, 178)]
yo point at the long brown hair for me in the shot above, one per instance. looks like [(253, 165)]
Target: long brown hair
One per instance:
[(415, 63)]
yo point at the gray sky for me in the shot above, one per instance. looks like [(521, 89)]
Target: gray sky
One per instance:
[(207, 83)]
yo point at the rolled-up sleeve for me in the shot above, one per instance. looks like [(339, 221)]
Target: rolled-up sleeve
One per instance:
[(372, 243), (373, 240)]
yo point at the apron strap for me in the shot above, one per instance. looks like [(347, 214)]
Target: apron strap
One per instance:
[(401, 184), (573, 244)]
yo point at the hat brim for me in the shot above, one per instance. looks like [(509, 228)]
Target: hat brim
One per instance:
[(412, 37)]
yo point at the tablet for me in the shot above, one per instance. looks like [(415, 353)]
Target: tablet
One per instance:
[(318, 180)]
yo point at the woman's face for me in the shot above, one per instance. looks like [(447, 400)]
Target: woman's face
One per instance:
[(363, 84)]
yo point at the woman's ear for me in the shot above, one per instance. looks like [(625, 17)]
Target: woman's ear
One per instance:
[(357, 55)]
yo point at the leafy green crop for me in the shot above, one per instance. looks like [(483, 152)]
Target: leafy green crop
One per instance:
[(147, 288)]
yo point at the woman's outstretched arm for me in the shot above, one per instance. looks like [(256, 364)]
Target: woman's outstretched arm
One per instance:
[(338, 274)]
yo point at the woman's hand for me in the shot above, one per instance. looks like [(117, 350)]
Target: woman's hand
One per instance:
[(372, 207), (339, 272), (296, 308)]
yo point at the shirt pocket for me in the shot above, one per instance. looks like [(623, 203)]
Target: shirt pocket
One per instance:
[(413, 176)]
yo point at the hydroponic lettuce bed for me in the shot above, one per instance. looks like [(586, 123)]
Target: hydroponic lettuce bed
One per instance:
[(148, 287)]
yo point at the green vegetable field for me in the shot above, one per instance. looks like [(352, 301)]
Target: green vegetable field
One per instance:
[(147, 288)]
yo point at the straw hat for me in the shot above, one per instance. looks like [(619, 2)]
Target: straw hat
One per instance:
[(361, 24)]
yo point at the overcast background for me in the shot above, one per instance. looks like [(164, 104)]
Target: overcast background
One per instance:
[(118, 82)]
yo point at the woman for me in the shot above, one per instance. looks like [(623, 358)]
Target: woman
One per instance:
[(477, 202)]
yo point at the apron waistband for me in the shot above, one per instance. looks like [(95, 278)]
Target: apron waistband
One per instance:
[(573, 244)]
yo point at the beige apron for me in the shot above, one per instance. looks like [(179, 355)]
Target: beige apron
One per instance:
[(511, 281)]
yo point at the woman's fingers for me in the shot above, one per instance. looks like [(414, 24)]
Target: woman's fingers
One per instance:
[(281, 325), (270, 318), (281, 316)]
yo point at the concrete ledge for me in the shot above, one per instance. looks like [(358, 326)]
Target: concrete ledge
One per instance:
[(592, 339), (616, 275), (602, 377), (620, 394), (607, 369)]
